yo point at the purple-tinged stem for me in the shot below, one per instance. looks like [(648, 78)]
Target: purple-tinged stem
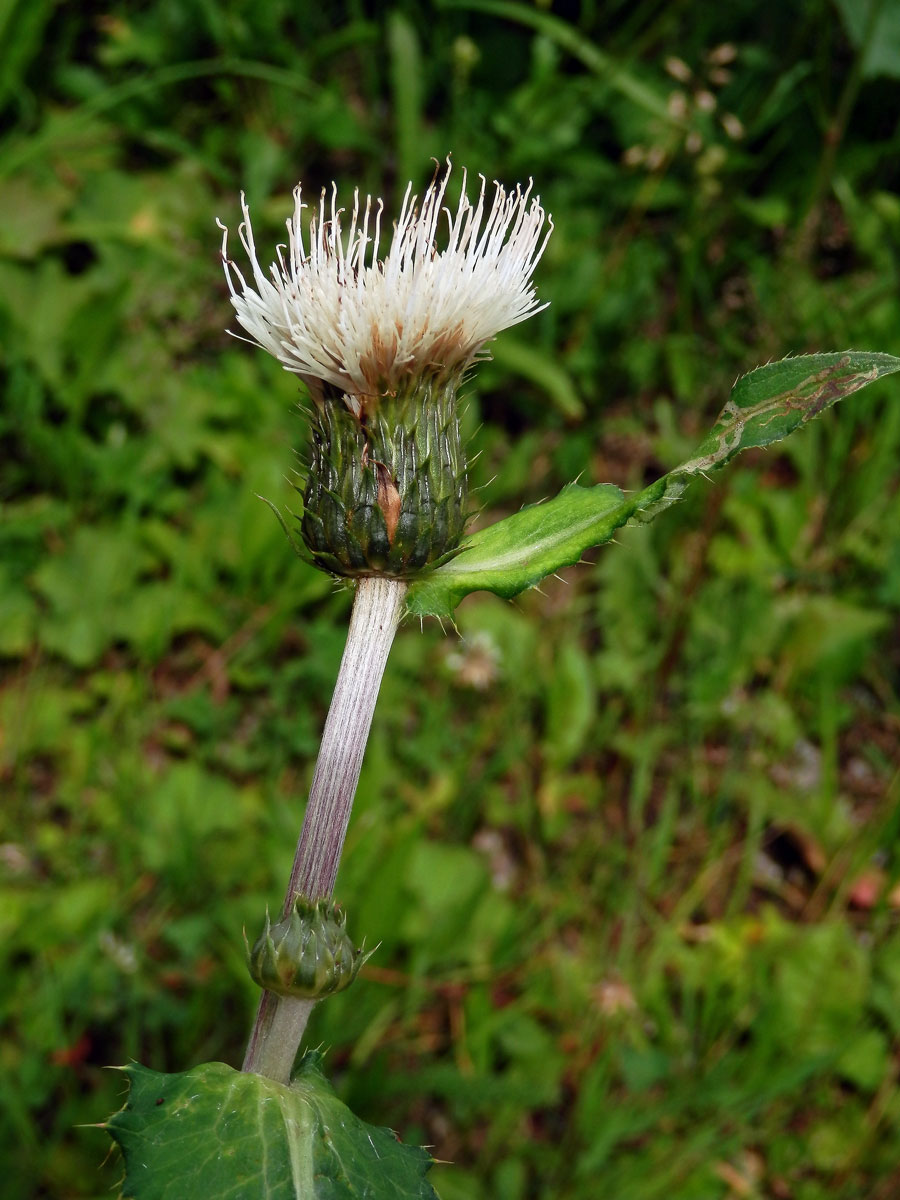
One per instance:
[(281, 1020)]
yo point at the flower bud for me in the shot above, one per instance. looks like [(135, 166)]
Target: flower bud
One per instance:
[(308, 954)]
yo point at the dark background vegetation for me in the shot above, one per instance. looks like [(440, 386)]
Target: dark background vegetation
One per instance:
[(630, 844)]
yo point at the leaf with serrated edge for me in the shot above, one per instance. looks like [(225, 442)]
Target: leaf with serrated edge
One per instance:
[(517, 552), (216, 1132)]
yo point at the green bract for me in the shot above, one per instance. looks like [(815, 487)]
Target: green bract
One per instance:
[(308, 954), (386, 489)]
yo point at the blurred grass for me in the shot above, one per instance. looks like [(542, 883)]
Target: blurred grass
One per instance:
[(630, 846)]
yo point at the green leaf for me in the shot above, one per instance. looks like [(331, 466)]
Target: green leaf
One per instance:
[(536, 365), (18, 617), (765, 406), (572, 40), (87, 585), (407, 86), (874, 30), (518, 552), (34, 216), (214, 1131)]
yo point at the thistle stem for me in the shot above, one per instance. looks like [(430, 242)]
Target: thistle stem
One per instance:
[(280, 1020)]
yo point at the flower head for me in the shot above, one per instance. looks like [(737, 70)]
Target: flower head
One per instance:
[(334, 313)]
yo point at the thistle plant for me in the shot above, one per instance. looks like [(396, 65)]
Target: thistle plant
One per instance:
[(383, 346)]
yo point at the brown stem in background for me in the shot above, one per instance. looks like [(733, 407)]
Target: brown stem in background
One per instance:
[(833, 136)]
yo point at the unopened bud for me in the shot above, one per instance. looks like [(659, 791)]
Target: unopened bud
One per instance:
[(308, 954)]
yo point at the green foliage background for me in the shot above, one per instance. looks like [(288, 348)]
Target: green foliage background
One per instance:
[(629, 846)]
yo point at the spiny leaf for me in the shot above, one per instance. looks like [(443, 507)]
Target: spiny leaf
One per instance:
[(765, 406), (772, 401), (214, 1131)]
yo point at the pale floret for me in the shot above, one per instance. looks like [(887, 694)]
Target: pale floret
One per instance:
[(331, 311)]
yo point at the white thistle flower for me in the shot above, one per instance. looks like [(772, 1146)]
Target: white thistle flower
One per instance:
[(333, 312)]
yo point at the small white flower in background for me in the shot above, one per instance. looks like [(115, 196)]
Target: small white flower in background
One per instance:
[(334, 313)]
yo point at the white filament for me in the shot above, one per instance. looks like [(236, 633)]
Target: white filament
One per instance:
[(331, 310)]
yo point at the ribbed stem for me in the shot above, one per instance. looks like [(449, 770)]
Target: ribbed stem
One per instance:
[(280, 1021)]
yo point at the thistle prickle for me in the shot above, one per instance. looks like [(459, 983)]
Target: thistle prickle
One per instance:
[(308, 954)]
